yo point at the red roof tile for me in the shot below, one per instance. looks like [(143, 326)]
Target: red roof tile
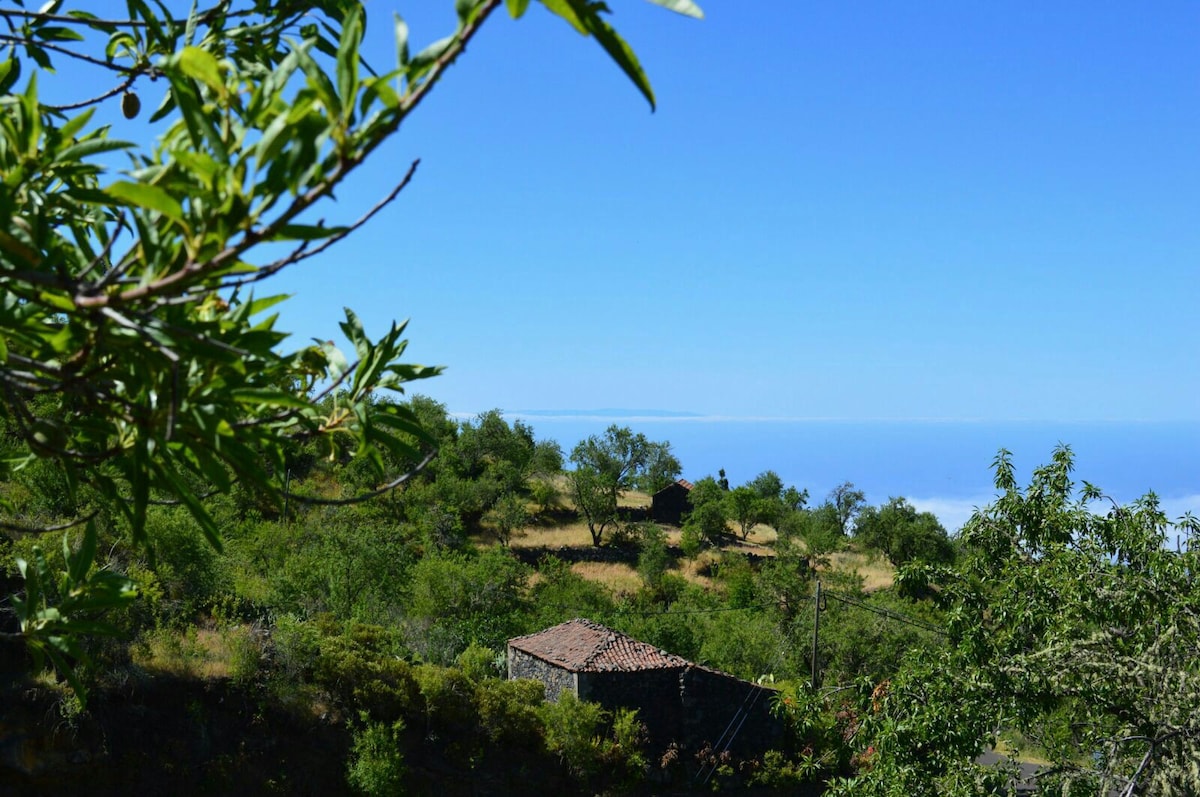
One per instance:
[(584, 646)]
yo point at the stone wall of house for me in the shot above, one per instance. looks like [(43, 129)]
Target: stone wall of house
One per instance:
[(715, 704), (654, 693), (692, 707), (556, 679)]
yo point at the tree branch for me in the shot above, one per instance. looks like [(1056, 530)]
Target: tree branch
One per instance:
[(302, 253), (19, 529), (192, 269), (358, 499)]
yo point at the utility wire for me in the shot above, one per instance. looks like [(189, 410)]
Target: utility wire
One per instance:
[(897, 616), (670, 613), (888, 613)]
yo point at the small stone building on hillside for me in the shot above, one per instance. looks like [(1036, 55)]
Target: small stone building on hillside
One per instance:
[(678, 701), (669, 504)]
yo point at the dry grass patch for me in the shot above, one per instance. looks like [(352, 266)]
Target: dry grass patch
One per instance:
[(574, 535), (697, 570), (634, 498), (763, 535), (876, 572), (619, 578)]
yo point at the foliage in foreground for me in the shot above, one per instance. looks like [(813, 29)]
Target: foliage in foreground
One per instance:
[(1070, 618), (139, 360)]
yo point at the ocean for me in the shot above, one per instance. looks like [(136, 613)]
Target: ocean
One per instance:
[(941, 466)]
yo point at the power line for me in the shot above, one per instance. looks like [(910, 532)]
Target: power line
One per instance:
[(897, 616)]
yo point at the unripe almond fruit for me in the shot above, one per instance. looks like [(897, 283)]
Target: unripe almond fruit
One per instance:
[(130, 104)]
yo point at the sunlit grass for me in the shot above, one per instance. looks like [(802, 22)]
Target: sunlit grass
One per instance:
[(876, 572), (618, 577), (230, 652), (572, 535)]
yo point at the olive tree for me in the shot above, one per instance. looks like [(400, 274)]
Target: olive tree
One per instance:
[(608, 465)]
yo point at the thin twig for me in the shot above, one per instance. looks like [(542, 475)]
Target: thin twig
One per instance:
[(122, 86), (302, 253), (65, 51), (65, 18), (107, 250), (358, 499), (19, 529)]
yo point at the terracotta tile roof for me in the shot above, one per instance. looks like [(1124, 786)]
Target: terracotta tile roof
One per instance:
[(684, 483), (584, 646)]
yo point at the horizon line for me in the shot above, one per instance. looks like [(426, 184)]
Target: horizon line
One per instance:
[(683, 417)]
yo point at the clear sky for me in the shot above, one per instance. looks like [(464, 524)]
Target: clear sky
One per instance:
[(854, 210)]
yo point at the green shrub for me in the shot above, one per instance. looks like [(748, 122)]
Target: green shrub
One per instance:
[(561, 594), (479, 662), (574, 733), (627, 753), (362, 670), (448, 697), (376, 764), (244, 651), (508, 712), (596, 747), (454, 599), (653, 557), (296, 647)]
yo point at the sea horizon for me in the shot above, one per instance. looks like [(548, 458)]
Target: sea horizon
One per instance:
[(940, 465)]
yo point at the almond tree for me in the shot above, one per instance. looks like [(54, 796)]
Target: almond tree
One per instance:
[(1072, 619)]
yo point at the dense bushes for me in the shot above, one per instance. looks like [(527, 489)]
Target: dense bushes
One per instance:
[(392, 615)]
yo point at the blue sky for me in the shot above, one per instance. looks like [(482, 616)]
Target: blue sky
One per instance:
[(849, 210)]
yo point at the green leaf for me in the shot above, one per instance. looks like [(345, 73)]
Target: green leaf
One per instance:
[(566, 9), (10, 72), (147, 196), (619, 51), (318, 80), (306, 232), (58, 33), (81, 562), (337, 363), (202, 65), (401, 40), (75, 124), (200, 123), (208, 526), (347, 60), (425, 59), (516, 8), (118, 41), (269, 398), (465, 9), (256, 306), (92, 146), (685, 7)]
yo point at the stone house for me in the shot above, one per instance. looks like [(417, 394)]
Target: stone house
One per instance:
[(679, 702), (669, 504)]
